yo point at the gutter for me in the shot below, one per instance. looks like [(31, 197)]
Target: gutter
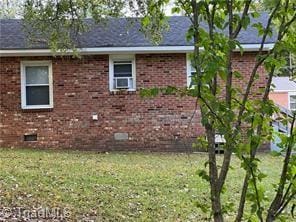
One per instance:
[(121, 50)]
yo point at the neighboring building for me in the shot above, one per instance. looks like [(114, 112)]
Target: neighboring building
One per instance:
[(281, 127), (284, 92), (94, 102), (284, 95)]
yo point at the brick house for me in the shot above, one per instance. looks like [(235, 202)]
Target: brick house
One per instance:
[(94, 102), (284, 92)]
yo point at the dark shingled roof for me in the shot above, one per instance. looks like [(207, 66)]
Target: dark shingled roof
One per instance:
[(120, 32)]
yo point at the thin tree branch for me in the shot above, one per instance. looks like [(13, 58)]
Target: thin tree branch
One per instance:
[(285, 204), (275, 206), (244, 14), (257, 65), (228, 97), (259, 214), (212, 111), (288, 190), (254, 147)]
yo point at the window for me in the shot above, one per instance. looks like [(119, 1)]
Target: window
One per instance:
[(36, 80), (191, 72), (292, 101), (122, 75)]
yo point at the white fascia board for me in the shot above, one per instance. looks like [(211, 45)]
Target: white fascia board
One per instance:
[(283, 91), (101, 50), (121, 50), (255, 47)]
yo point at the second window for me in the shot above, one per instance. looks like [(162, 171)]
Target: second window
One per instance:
[(122, 73)]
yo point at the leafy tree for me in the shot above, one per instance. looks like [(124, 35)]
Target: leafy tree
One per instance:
[(226, 108), (10, 8)]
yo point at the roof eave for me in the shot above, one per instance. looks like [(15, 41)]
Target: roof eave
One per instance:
[(121, 50)]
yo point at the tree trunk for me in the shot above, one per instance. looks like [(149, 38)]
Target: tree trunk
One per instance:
[(216, 206), (241, 208), (279, 198), (270, 218), (215, 193)]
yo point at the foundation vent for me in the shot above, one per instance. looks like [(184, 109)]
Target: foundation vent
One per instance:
[(30, 137)]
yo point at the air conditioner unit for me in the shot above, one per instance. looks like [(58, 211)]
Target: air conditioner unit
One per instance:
[(122, 83)]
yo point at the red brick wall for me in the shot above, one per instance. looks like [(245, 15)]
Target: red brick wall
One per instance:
[(81, 89), (244, 64)]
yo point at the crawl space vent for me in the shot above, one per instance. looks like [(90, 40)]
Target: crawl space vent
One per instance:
[(30, 138)]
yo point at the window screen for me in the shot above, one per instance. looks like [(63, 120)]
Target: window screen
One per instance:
[(122, 69), (37, 85)]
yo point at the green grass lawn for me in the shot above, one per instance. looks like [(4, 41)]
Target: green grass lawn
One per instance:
[(116, 186)]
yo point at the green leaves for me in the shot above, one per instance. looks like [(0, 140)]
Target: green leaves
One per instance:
[(59, 23), (203, 206), (154, 21), (259, 27), (176, 10), (149, 92), (245, 22), (204, 175)]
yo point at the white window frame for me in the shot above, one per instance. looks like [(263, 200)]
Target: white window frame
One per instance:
[(188, 69), (291, 65), (24, 64), (289, 99), (118, 58)]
